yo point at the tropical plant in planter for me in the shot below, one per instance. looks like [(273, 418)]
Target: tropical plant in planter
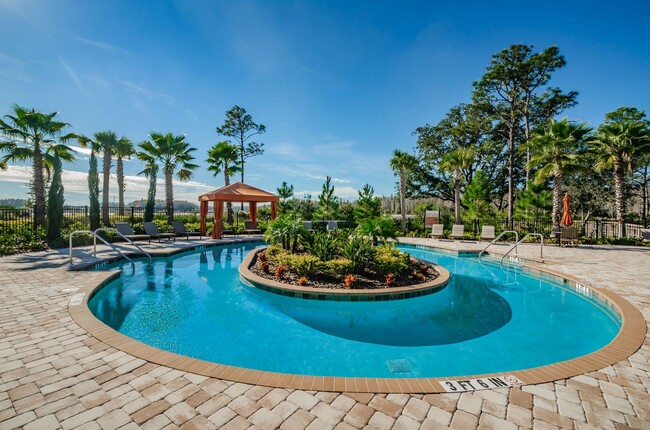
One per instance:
[(285, 231), (377, 228)]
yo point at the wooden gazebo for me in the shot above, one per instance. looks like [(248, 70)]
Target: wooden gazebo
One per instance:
[(237, 192)]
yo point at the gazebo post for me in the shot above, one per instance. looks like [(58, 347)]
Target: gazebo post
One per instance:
[(218, 215), (204, 215), (252, 208), (274, 210)]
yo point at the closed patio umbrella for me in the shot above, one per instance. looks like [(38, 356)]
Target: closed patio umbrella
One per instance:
[(566, 216)]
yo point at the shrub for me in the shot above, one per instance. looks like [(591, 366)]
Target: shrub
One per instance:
[(279, 271), (264, 266), (303, 264), (359, 251), (262, 256), (390, 260), (338, 267), (302, 281), (323, 246), (273, 252), (391, 279)]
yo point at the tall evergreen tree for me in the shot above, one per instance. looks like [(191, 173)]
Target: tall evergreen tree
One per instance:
[(93, 193), (55, 201), (285, 192), (104, 142), (328, 203), (368, 206)]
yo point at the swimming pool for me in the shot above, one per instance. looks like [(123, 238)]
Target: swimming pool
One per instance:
[(486, 320)]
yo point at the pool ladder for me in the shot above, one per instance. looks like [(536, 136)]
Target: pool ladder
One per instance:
[(97, 236), (496, 239), (541, 247)]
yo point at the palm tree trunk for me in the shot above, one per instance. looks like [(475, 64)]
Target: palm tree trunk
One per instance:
[(39, 186), (557, 199), (402, 199), (120, 184), (619, 195), (105, 183), (169, 196), (226, 173), (457, 200)]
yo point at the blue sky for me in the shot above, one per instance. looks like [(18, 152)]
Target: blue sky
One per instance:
[(338, 84)]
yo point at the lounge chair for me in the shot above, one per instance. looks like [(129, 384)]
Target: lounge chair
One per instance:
[(332, 225), (180, 230), (569, 236), (249, 228), (487, 232), (152, 230), (225, 230), (645, 234), (308, 226), (457, 232), (127, 231), (437, 231)]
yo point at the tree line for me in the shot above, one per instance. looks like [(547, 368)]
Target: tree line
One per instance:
[(502, 151), (28, 135)]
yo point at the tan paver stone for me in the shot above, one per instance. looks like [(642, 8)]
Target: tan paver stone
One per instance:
[(156, 423), (619, 404), (237, 423), (213, 404), (428, 424), (180, 413), (381, 421), (29, 403), (400, 399), (487, 421), (95, 399), (156, 392), (571, 410), (343, 403), (520, 416), (552, 418), (364, 398), (265, 419), (48, 422), (319, 424), (405, 423), (148, 412), (344, 426), (327, 413), (285, 409), (301, 399), (439, 415), (463, 420), (385, 406), (298, 421), (114, 420), (23, 391), (19, 420), (213, 386), (82, 418), (181, 394), (243, 406), (199, 422), (135, 405), (498, 411), (222, 416), (441, 401), (359, 415), (237, 389), (256, 393), (468, 402), (416, 409)]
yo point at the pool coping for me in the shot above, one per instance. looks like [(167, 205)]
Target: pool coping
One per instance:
[(313, 293), (629, 339)]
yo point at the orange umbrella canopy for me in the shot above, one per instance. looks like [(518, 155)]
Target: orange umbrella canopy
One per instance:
[(566, 216)]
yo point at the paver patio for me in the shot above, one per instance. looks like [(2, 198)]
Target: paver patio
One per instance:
[(53, 374)]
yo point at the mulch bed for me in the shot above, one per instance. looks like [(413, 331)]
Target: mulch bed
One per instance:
[(367, 280)]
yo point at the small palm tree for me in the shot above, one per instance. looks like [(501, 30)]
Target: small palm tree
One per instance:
[(174, 155), (122, 149), (103, 141), (32, 135), (224, 157), (455, 163), (401, 164), (555, 152), (622, 140)]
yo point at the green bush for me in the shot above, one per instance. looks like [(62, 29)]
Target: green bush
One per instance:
[(303, 265), (338, 268), (390, 260), (22, 240), (359, 251), (323, 245), (273, 252)]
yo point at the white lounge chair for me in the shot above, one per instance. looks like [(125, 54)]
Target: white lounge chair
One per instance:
[(437, 230), (457, 232), (487, 232), (332, 225), (308, 226)]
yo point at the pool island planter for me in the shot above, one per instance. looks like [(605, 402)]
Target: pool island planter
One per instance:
[(629, 339), (342, 294)]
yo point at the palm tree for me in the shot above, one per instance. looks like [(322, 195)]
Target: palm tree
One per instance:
[(174, 156), (30, 135), (554, 152), (103, 141), (123, 149), (401, 164), (455, 163), (622, 140), (224, 157)]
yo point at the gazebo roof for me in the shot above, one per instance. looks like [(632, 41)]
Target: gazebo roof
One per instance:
[(239, 192)]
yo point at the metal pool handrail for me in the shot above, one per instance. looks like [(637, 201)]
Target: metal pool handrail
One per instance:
[(97, 236), (496, 239), (125, 238), (541, 247)]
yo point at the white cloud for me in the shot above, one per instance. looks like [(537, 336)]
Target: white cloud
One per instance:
[(140, 90), (73, 75), (104, 46)]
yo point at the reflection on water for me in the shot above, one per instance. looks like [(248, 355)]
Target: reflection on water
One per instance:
[(465, 310)]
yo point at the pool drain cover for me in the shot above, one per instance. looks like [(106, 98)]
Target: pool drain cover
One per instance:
[(399, 366)]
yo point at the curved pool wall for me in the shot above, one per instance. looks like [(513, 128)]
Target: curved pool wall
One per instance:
[(422, 332)]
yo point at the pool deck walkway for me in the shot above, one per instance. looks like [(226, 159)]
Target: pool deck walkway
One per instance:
[(53, 374)]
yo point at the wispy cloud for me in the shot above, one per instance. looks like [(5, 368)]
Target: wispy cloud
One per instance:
[(105, 46), (73, 76), (141, 90), (14, 69)]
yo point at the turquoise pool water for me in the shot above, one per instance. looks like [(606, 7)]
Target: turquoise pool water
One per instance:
[(486, 320)]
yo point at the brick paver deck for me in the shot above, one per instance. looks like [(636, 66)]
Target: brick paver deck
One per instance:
[(53, 374)]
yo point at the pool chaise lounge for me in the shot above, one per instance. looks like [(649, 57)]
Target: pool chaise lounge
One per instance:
[(152, 230), (180, 230), (127, 231)]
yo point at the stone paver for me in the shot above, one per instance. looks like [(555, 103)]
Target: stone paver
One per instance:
[(55, 375)]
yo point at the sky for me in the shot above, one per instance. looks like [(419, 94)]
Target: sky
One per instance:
[(338, 84)]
